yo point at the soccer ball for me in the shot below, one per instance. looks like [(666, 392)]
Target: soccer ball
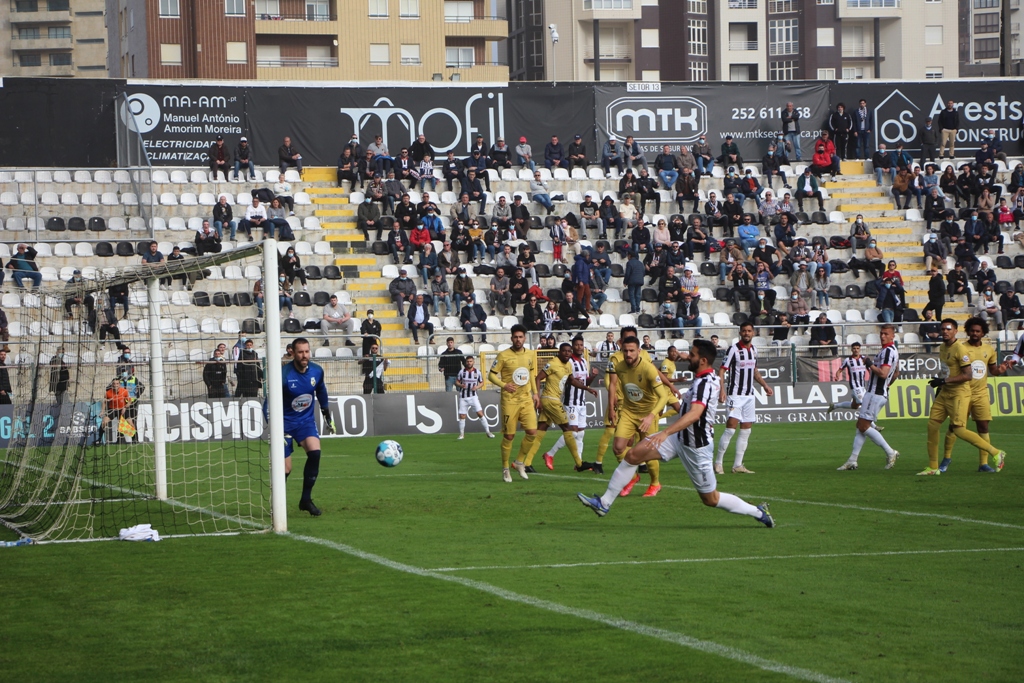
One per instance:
[(389, 453)]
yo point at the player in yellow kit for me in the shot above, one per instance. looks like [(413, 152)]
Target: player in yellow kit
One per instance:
[(952, 399), (515, 371), (984, 362), (552, 384), (644, 395)]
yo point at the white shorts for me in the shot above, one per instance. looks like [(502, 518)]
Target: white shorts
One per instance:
[(871, 406), (858, 394), (577, 416), (699, 462), (469, 406), (741, 408)]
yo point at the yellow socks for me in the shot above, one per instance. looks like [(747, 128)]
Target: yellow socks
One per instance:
[(983, 455), (933, 443), (602, 445), (654, 469), (573, 446), (527, 447), (539, 437), (975, 440), (506, 451)]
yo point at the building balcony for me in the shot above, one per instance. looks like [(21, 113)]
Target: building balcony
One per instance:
[(297, 25), (742, 4), (785, 48), (41, 17), (297, 63), (37, 44), (489, 28), (486, 72), (862, 51), (874, 4), (612, 53), (742, 45), (863, 9)]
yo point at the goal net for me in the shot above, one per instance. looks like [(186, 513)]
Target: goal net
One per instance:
[(120, 411)]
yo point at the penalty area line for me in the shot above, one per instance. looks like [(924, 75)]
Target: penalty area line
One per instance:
[(673, 637), (700, 560)]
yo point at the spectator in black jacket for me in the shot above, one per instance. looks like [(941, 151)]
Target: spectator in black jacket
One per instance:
[(421, 148), (6, 392), (533, 314), (452, 170), (572, 315), (936, 292), (839, 124), (243, 157), (368, 218), (450, 364), (958, 283), (207, 241), (215, 375), (823, 335), (289, 156), (223, 218), (219, 156), (577, 153), (371, 331), (949, 124), (23, 263), (348, 168), (929, 140), (398, 241), (771, 165)]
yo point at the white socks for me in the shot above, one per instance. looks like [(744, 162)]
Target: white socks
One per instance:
[(579, 442), (877, 438), (858, 443), (483, 421), (737, 506), (741, 447), (848, 405), (620, 477), (462, 427), (559, 445), (723, 445)]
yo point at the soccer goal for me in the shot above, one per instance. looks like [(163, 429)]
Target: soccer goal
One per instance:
[(120, 414)]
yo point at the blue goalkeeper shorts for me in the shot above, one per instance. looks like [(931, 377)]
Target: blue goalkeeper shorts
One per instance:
[(297, 433)]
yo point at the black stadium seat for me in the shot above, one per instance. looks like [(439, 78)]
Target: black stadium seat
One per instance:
[(56, 224), (125, 249), (291, 326), (819, 217), (739, 317), (97, 224), (252, 326), (1004, 262), (380, 248), (200, 299), (104, 249), (301, 299), (242, 299), (1003, 286), (618, 270), (1018, 286), (332, 273), (76, 224), (549, 221), (222, 299), (534, 247), (818, 240), (709, 268), (645, 321), (722, 293), (143, 247), (1018, 261), (803, 217), (559, 270), (854, 292), (321, 298), (313, 273), (556, 295), (535, 223), (543, 270), (649, 295), (910, 315), (836, 292)]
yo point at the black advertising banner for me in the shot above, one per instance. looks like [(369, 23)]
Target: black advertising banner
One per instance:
[(178, 123), (680, 113), (912, 366), (899, 110)]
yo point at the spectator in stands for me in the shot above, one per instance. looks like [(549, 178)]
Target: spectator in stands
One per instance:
[(666, 320), (551, 319), (255, 217), (802, 281), (686, 190), (371, 331), (428, 261), (502, 214), (118, 295), (871, 262), (821, 162), (473, 316), (830, 149), (822, 281), (1009, 304), (292, 268), (640, 237), (207, 241), (796, 309), (930, 330), (661, 235), (215, 375), (667, 166), (554, 154), (732, 185), (475, 191), (950, 233), (500, 156), (986, 277), (674, 255), (452, 169), (23, 266), (901, 158), (861, 129), (287, 156), (528, 262), (703, 158), (406, 168), (730, 153), (768, 255), (732, 209), (958, 283), (451, 363), (889, 301), (791, 129), (519, 289), (524, 154), (727, 260), (934, 208), (520, 217), (382, 158), (393, 192), (840, 124), (540, 193), (462, 288), (689, 315), (983, 158), (153, 257), (648, 190), (988, 307), (257, 296), (499, 296), (285, 295), (336, 316), (601, 261), (506, 259), (590, 215), (348, 168), (936, 291), (631, 152), (697, 239), (219, 156), (419, 320), (581, 282), (368, 218), (243, 157), (398, 241), (823, 336), (366, 168), (533, 314), (935, 254), (807, 186), (75, 296), (771, 167), (633, 279), (769, 209), (572, 314), (611, 153), (986, 204), (249, 372), (748, 234), (223, 218), (419, 236), (478, 162), (882, 162), (628, 183), (655, 264), (669, 287), (448, 261), (598, 285), (577, 153), (402, 289), (373, 367), (608, 217)]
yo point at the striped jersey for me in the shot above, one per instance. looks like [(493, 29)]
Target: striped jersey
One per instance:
[(470, 381), (704, 390), (1018, 353), (741, 363), (887, 356), (605, 349), (574, 396), (856, 369)]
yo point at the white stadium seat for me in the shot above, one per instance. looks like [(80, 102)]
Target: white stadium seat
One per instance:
[(323, 248), (132, 199), (207, 199), (187, 199), (176, 223), (101, 177), (90, 199), (83, 249), (253, 273), (116, 223), (160, 177), (44, 177), (198, 177), (9, 198), (292, 176), (28, 198), (69, 199), (195, 223), (302, 199), (83, 177), (168, 199), (179, 177), (210, 326), (232, 273), (63, 250), (109, 199), (229, 326)]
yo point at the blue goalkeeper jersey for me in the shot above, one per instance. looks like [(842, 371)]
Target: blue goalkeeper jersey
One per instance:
[(299, 389)]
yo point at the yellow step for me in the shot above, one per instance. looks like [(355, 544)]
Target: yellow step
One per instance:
[(866, 194), (408, 386), (361, 300), (319, 175), (881, 205), (369, 274), (367, 287), (886, 243), (331, 200), (893, 231), (392, 326), (866, 184), (355, 261), (333, 212), (852, 167), (877, 219), (328, 190), (348, 237)]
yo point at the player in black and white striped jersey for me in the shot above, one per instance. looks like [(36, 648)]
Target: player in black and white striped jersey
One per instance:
[(689, 438), (606, 348), (856, 368), (881, 372), (574, 400), (468, 382), (738, 394)]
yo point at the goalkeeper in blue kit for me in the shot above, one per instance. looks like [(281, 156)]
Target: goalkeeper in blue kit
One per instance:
[(302, 381)]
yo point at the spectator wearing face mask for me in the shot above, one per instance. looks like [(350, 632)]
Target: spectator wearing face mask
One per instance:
[(215, 375), (371, 331)]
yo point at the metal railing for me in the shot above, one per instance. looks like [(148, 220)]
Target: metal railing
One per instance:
[(863, 50), (308, 16), (742, 45), (868, 4), (742, 4), (299, 62), (465, 18), (609, 52), (790, 47)]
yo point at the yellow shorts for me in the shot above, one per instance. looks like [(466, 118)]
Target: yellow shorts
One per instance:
[(516, 414), (981, 409), (553, 412), (608, 417), (628, 426), (955, 407)]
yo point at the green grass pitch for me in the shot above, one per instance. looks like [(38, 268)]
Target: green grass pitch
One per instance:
[(869, 576)]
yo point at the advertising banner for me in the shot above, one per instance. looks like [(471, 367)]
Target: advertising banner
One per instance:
[(912, 366), (681, 113)]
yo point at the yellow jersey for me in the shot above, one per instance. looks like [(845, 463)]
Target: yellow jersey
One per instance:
[(558, 374), (642, 388), (955, 357), (668, 367), (518, 368), (612, 360), (981, 357)]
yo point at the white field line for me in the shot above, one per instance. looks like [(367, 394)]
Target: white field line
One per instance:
[(680, 639), (698, 560)]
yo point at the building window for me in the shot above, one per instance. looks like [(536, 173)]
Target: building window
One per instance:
[(30, 60), (986, 23), (607, 4), (170, 8), (26, 6), (268, 9), (409, 9), (933, 72), (649, 37), (237, 53), (826, 74), (743, 4), (828, 2), (826, 37), (411, 55), (268, 55), (782, 71), (131, 19), (59, 6), (697, 6), (985, 4), (933, 35), (459, 57), (780, 6), (537, 50), (986, 48), (458, 11), (89, 40), (170, 54), (378, 9), (317, 10), (58, 32), (30, 33), (234, 8), (855, 73), (783, 37), (698, 29), (380, 54), (653, 76), (698, 71), (60, 59)]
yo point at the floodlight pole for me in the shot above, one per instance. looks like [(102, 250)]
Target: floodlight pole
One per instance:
[(275, 403), (156, 378)]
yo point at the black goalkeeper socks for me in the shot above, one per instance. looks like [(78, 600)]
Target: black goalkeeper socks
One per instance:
[(310, 473)]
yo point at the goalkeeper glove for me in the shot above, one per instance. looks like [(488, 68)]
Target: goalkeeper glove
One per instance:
[(868, 362), (937, 383), (328, 422)]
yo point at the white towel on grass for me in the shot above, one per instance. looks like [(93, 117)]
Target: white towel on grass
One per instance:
[(139, 532)]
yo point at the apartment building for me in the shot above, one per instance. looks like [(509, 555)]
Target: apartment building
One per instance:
[(733, 40), (310, 40), (57, 38), (983, 33)]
